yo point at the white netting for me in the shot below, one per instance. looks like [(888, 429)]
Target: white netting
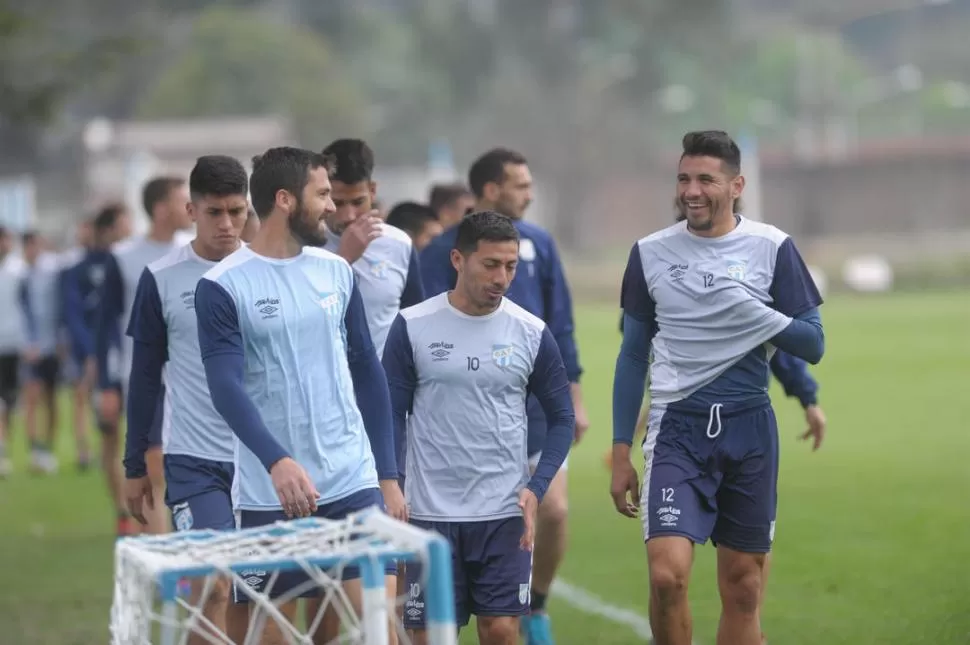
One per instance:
[(165, 586)]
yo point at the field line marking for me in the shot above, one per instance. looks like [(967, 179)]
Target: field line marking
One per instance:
[(586, 602)]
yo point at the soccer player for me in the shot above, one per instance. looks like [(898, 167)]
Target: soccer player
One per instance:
[(11, 340), (501, 181), (418, 221), (382, 256), (705, 296), (40, 304), (198, 445), (82, 287), (292, 369), (461, 366), (82, 381), (450, 203), (164, 200)]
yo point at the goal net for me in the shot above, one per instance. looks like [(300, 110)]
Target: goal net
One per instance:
[(165, 584)]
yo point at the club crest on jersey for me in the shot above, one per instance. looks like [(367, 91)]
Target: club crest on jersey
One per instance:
[(502, 355), (527, 250), (182, 517), (377, 268), (329, 301), (736, 269)]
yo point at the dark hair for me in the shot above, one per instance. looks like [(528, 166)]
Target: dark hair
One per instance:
[(107, 217), (29, 236), (410, 217), (713, 143), (484, 226), (283, 168), (446, 194), (354, 160), (218, 176), (157, 191), (490, 168)]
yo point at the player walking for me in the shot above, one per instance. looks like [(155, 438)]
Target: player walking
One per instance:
[(461, 366), (197, 443), (501, 181), (706, 296), (288, 356)]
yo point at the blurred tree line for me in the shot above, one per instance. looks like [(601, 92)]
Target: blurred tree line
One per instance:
[(608, 77)]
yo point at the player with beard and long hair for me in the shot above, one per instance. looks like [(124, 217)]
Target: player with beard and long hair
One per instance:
[(292, 369)]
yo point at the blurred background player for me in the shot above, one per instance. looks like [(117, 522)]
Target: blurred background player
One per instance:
[(73, 362), (11, 340), (465, 426), (165, 200), (41, 307), (450, 203), (711, 449), (311, 411), (383, 258), (82, 288), (418, 221), (198, 445), (501, 181)]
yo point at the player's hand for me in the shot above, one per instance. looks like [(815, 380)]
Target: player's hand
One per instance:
[(625, 485), (529, 504), (816, 426), (297, 493), (394, 500), (358, 236), (582, 422), (109, 405), (138, 494)]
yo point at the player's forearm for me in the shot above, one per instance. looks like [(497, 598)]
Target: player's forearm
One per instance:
[(630, 379), (144, 388), (559, 437), (223, 374), (803, 337), (374, 401), (793, 375), (402, 397)]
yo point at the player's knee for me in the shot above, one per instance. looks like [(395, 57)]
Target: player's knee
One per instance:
[(668, 583), (741, 589), (498, 630)]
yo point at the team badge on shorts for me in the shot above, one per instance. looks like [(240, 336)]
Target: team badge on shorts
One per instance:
[(182, 517), (524, 594)]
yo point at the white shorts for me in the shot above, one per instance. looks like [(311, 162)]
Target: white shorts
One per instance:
[(534, 461)]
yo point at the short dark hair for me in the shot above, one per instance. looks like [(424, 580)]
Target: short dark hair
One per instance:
[(484, 226), (353, 160), (29, 236), (107, 217), (713, 143), (490, 168), (442, 195), (411, 217), (218, 176), (284, 168), (157, 191)]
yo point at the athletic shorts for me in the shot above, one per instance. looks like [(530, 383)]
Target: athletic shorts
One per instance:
[(198, 492), (288, 580), (534, 461), (493, 574), (712, 475), (9, 379), (46, 370)]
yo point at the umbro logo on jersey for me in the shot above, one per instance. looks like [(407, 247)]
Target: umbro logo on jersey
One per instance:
[(677, 271), (268, 307), (440, 351), (188, 299)]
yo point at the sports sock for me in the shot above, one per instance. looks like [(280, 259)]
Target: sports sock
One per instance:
[(538, 602)]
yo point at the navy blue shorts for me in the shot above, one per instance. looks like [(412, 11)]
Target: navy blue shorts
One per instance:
[(45, 370), (492, 573), (712, 475), (288, 580), (199, 493)]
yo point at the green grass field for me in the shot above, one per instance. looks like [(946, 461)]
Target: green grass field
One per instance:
[(873, 534)]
